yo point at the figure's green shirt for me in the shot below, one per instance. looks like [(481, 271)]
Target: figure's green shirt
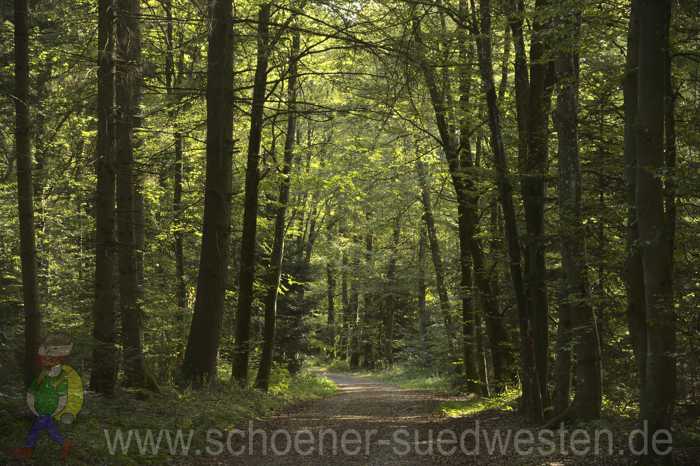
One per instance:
[(47, 390)]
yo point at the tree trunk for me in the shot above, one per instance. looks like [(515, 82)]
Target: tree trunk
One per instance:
[(562, 367), (330, 294), (533, 100), (172, 81), (354, 307), (203, 342), (588, 398), (275, 268), (437, 257), (104, 360), (634, 275), (531, 399), (653, 225), (25, 194), (127, 93), (423, 315), (345, 301), (390, 302), (178, 212), (367, 325), (250, 213)]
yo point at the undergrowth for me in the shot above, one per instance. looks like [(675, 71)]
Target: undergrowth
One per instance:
[(223, 407)]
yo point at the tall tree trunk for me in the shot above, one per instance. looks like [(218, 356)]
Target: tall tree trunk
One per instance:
[(533, 100), (178, 212), (562, 367), (203, 342), (127, 93), (534, 171), (345, 301), (354, 307), (172, 80), (275, 268), (437, 257), (669, 132), (531, 399), (653, 225), (250, 214), (104, 360), (390, 302), (634, 275), (423, 315), (25, 194), (366, 326), (588, 398), (330, 295)]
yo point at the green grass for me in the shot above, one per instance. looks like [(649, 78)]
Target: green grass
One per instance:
[(410, 377), (223, 407), (470, 407)]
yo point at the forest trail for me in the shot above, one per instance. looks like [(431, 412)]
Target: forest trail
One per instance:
[(394, 426), (375, 410)]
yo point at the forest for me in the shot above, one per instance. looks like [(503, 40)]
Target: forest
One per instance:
[(229, 208)]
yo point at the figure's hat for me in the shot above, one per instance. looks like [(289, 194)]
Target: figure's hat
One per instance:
[(56, 345)]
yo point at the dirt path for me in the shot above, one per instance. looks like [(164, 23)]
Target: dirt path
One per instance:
[(358, 426), (372, 424)]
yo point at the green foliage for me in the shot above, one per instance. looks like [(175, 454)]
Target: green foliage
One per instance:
[(505, 402)]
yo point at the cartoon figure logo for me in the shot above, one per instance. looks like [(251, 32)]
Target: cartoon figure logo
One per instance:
[(56, 395)]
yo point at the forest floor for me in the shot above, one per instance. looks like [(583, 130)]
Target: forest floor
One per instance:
[(328, 419), (369, 422)]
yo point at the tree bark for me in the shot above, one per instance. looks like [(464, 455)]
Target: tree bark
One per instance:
[(437, 257), (250, 213), (588, 398), (423, 315), (354, 307), (172, 80), (25, 194), (203, 342), (531, 399), (390, 302), (275, 268), (634, 275), (330, 295), (104, 357), (562, 366), (345, 302), (127, 99), (653, 224)]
